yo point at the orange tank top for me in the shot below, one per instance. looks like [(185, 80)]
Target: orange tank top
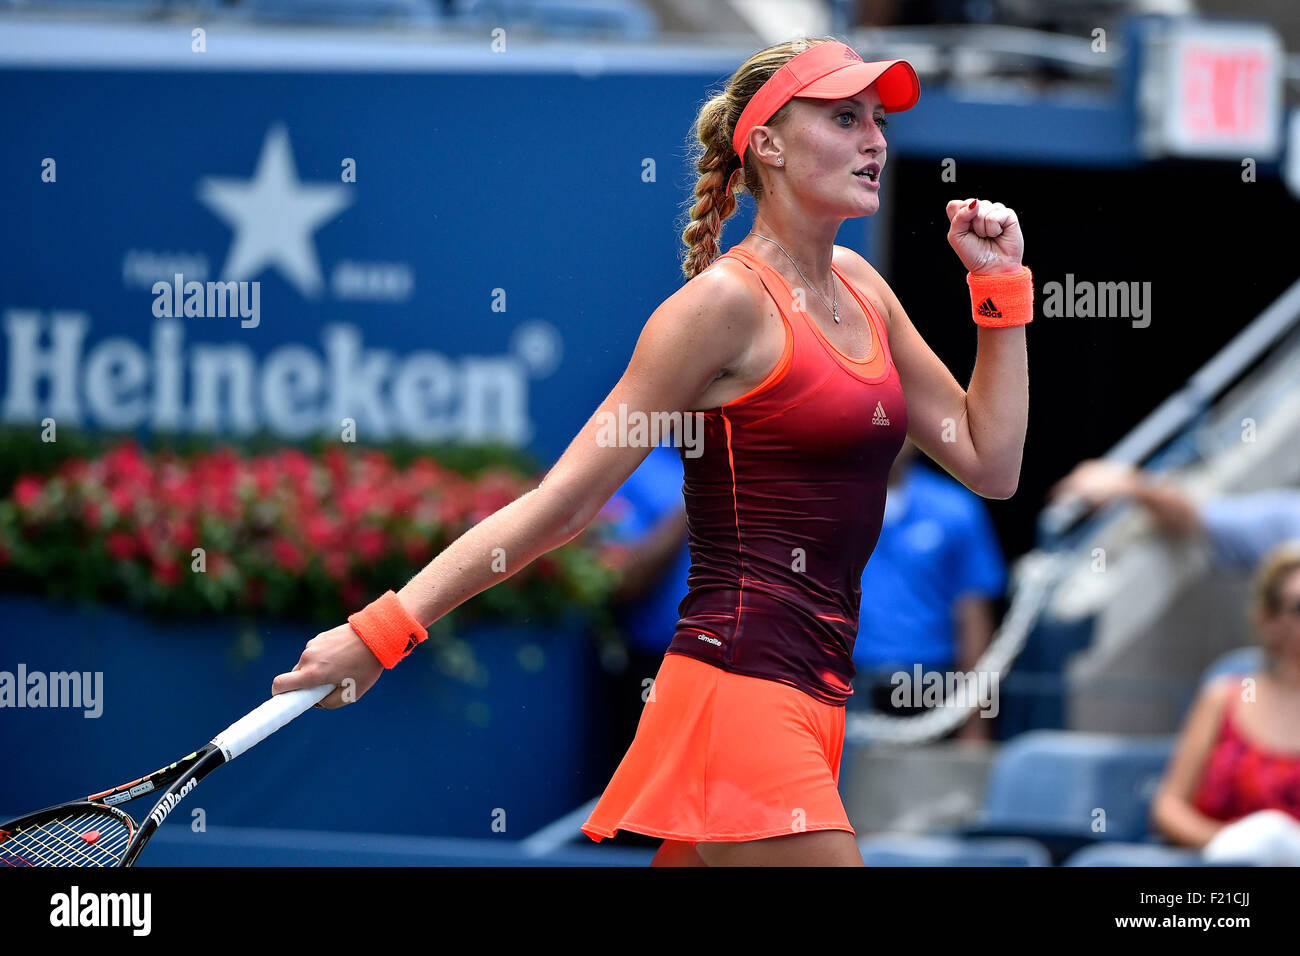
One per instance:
[(784, 506)]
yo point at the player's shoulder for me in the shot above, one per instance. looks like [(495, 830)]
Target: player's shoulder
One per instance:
[(721, 294), (864, 275), (851, 262)]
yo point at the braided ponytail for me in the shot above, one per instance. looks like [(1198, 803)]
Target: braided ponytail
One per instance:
[(715, 163), (716, 159)]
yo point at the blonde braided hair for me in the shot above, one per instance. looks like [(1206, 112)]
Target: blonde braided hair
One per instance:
[(716, 159)]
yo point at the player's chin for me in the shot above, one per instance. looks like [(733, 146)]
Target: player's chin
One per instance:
[(864, 205), (862, 198)]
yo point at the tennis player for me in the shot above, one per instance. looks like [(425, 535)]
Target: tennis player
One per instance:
[(807, 375)]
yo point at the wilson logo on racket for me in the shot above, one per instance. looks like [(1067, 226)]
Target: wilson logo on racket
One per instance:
[(160, 812)]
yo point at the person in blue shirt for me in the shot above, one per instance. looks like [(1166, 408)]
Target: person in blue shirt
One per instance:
[(929, 589), (1240, 528)]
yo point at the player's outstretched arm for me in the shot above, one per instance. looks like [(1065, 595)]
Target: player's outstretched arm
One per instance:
[(695, 334)]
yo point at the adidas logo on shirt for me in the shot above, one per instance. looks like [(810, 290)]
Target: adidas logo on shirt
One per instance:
[(988, 308), (879, 418)]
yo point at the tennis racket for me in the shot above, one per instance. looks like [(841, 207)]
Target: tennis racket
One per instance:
[(95, 832)]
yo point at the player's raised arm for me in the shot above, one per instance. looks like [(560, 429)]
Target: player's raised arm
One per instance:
[(688, 341)]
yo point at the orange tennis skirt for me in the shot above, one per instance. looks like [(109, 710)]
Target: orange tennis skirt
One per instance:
[(723, 757)]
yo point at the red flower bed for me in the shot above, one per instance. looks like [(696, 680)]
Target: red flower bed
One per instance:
[(303, 535)]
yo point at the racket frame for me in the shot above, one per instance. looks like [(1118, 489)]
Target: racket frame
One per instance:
[(175, 780), (180, 777)]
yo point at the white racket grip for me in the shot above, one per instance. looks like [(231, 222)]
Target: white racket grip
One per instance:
[(254, 727)]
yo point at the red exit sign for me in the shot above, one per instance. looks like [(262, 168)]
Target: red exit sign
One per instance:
[(1221, 90), (1224, 93)]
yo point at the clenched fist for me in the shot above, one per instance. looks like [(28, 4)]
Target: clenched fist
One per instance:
[(986, 236)]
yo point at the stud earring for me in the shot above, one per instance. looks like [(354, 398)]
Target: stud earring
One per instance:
[(780, 160)]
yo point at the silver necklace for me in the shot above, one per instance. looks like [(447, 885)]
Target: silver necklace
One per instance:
[(835, 303)]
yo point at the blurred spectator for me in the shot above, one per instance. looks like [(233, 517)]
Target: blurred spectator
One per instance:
[(1240, 528), (1232, 786), (929, 589), (650, 522), (876, 13)]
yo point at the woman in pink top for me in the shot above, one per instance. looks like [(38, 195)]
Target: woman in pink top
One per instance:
[(1233, 784)]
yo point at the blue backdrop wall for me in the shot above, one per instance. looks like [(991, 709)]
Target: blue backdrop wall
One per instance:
[(422, 754), (484, 277)]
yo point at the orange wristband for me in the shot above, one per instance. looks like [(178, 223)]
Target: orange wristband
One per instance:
[(388, 629), (1000, 301)]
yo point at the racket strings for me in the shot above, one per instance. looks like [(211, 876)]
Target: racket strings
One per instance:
[(85, 839)]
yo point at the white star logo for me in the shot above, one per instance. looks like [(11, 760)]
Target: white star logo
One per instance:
[(274, 216)]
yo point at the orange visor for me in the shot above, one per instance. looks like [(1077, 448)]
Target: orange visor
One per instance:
[(827, 71)]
